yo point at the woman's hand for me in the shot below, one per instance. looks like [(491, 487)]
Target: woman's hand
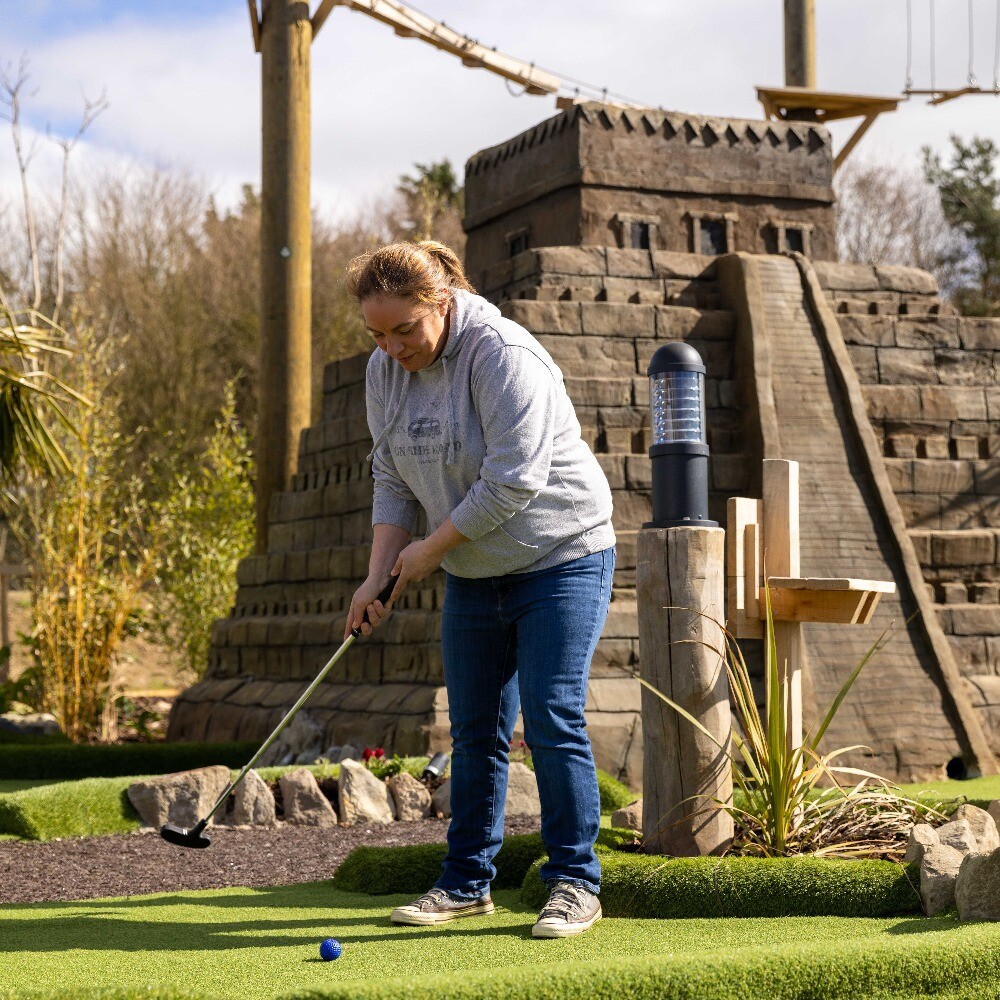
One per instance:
[(365, 599), (417, 561)]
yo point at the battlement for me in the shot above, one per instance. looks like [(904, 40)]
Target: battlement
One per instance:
[(594, 175)]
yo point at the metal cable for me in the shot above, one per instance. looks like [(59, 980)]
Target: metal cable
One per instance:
[(996, 53), (909, 45), (972, 72)]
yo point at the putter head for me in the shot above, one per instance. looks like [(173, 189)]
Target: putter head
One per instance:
[(195, 837)]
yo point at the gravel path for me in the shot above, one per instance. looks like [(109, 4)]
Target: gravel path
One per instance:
[(139, 863)]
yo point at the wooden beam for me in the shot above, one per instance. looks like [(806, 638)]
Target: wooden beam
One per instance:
[(743, 517), (838, 607), (254, 24), (853, 141), (322, 13)]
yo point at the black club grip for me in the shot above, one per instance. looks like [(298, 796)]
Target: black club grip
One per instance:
[(383, 597)]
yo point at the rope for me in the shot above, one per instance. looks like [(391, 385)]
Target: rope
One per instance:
[(996, 53), (933, 45), (909, 45), (972, 72)]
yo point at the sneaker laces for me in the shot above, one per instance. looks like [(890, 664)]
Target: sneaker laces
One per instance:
[(431, 899), (566, 901)]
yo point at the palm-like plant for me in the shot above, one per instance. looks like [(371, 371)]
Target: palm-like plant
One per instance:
[(31, 398)]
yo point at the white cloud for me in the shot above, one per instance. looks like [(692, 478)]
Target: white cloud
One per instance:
[(188, 93)]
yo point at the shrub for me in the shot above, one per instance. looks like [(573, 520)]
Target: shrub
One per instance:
[(639, 885), (68, 761), (614, 794), (208, 527)]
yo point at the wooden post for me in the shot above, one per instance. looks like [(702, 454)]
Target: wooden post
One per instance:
[(681, 572), (781, 559), (285, 376)]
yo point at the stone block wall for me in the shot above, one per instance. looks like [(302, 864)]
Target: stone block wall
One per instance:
[(932, 384)]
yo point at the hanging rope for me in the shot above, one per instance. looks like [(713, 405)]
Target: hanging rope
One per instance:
[(909, 45), (933, 44), (972, 72), (996, 53)]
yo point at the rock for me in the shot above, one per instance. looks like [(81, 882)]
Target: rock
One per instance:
[(304, 803), (300, 742), (922, 836), (977, 889), (347, 752), (362, 797), (34, 724), (982, 825), (994, 810), (181, 798), (957, 834), (938, 872), (412, 799), (629, 818), (253, 802), (441, 799), (522, 791)]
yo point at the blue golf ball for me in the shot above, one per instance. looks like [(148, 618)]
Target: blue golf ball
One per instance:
[(330, 949)]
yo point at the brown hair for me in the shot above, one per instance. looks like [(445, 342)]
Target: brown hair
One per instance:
[(417, 271)]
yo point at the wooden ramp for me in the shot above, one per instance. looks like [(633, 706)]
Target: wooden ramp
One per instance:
[(907, 707)]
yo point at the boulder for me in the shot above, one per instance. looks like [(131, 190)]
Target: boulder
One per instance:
[(922, 836), (957, 834), (629, 818), (412, 799), (181, 798), (982, 825), (33, 724), (938, 872), (977, 889), (522, 791), (303, 802), (253, 802), (441, 800), (362, 797), (994, 810), (347, 752), (300, 742)]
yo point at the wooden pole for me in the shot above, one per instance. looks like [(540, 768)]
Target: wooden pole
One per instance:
[(800, 53), (681, 572), (781, 559), (285, 250)]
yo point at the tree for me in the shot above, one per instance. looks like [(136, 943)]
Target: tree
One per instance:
[(970, 198), (890, 214), (434, 202)]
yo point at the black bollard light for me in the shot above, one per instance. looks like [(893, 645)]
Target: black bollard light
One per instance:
[(679, 449), (437, 765)]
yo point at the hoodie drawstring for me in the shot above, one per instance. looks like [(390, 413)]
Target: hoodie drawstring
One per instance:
[(391, 421), (450, 456)]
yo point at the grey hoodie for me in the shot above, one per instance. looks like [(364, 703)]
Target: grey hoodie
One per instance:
[(488, 436)]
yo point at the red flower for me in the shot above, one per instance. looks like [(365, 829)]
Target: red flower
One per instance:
[(367, 754), (378, 752)]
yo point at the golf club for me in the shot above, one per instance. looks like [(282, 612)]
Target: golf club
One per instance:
[(196, 836)]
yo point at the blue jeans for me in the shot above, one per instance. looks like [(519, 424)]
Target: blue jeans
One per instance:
[(528, 638)]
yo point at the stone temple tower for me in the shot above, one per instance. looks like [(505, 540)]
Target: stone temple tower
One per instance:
[(606, 232)]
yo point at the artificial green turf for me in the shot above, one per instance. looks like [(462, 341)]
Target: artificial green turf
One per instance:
[(18, 785), (978, 791), (256, 944)]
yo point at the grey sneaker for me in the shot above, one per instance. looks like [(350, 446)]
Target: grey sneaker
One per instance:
[(570, 910), (437, 907)]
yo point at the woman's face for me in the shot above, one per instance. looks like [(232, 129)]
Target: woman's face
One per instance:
[(413, 333)]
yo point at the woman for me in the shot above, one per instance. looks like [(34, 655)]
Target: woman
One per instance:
[(471, 421)]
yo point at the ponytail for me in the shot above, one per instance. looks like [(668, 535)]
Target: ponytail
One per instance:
[(418, 271)]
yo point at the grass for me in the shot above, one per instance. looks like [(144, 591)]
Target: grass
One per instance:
[(8, 785), (259, 944), (978, 791)]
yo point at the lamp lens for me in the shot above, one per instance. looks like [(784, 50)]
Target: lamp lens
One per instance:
[(678, 403)]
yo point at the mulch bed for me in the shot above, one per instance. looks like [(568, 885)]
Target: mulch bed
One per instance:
[(139, 863)]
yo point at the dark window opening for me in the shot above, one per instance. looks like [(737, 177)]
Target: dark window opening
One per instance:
[(518, 244), (795, 240), (713, 237), (639, 235)]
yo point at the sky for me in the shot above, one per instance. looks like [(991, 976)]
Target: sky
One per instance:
[(183, 80)]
